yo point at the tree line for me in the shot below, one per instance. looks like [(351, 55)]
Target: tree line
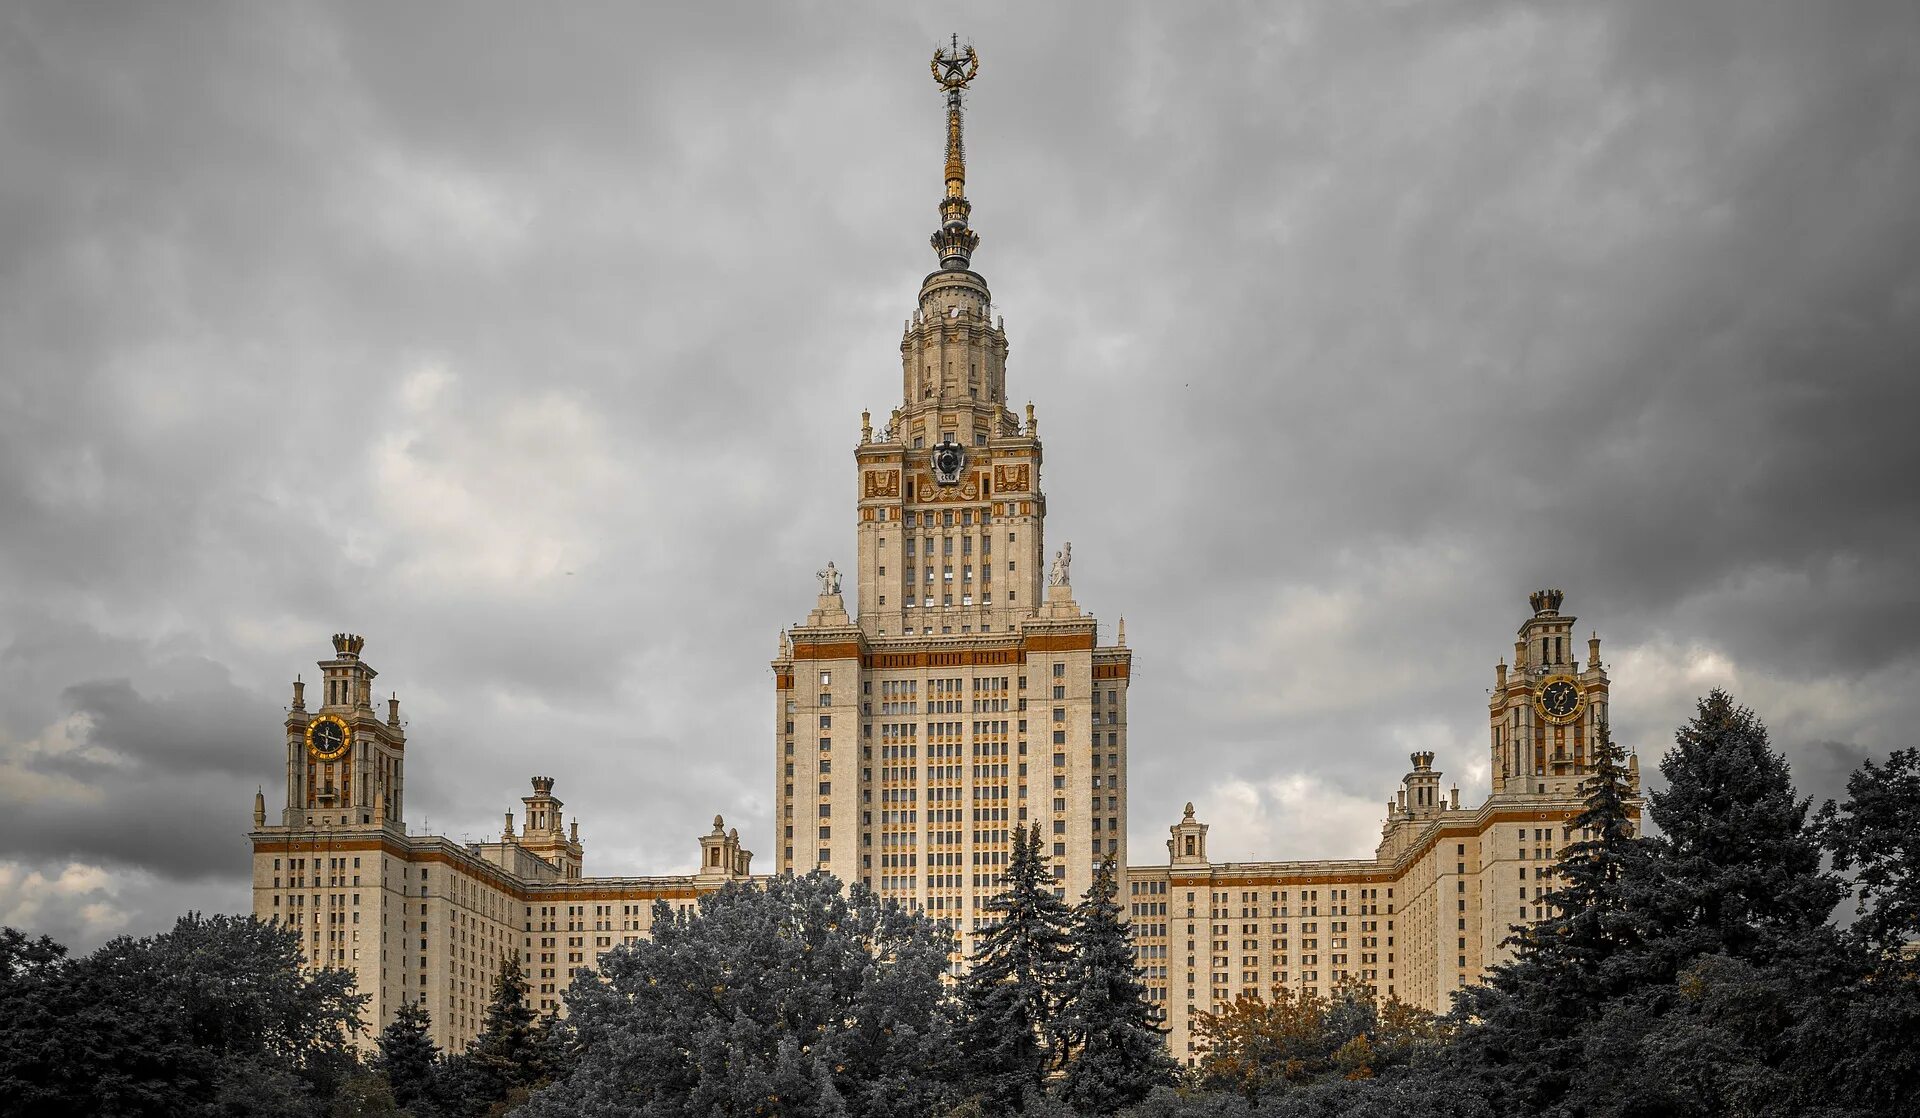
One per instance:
[(1698, 970)]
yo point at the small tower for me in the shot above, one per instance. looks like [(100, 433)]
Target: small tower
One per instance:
[(543, 831), (1420, 790), (1188, 846), (721, 858)]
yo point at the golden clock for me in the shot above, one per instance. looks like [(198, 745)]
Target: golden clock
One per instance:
[(328, 736), (1558, 699)]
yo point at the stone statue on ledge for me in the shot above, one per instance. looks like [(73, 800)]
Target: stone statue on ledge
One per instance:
[(1062, 574)]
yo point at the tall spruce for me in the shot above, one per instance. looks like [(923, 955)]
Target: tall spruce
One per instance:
[(1105, 1025), (1712, 1013), (505, 1061), (1741, 871), (1523, 1035), (1015, 979), (409, 1058)]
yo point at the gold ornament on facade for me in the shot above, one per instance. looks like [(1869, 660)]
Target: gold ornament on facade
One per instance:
[(329, 737), (882, 483), (953, 70), (967, 489), (1011, 479), (1559, 700)]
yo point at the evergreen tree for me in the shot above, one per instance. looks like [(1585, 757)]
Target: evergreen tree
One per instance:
[(1013, 985), (1526, 1039), (1740, 868), (1726, 999), (1105, 1026), (409, 1058), (505, 1060)]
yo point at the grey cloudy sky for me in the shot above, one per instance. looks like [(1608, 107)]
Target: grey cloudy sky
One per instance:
[(531, 342)]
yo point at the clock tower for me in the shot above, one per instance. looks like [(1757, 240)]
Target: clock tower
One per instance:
[(345, 764), (1546, 710)]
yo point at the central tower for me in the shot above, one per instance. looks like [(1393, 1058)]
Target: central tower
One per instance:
[(966, 695)]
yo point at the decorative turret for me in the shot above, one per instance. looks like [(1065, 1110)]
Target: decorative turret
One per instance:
[(1188, 846), (543, 832), (1420, 791), (720, 853), (259, 808), (954, 240)]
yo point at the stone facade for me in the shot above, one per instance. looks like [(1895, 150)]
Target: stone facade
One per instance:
[(422, 917), (968, 694), (1429, 912)]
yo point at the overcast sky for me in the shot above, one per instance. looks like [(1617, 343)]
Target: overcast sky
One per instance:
[(531, 342)]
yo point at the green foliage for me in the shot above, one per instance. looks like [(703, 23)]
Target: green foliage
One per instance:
[(795, 997), (1015, 981), (1105, 1026), (215, 1017)]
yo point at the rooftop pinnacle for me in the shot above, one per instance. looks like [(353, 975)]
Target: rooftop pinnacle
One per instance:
[(953, 69)]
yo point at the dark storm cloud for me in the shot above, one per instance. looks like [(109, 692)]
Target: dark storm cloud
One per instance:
[(532, 347)]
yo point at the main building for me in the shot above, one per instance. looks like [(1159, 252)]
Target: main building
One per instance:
[(966, 694)]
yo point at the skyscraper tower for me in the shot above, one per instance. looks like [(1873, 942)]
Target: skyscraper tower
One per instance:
[(968, 694)]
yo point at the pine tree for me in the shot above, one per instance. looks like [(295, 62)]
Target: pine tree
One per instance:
[(1105, 1026), (1526, 1038), (1741, 869), (409, 1057), (504, 1061), (1711, 1012), (1014, 982)]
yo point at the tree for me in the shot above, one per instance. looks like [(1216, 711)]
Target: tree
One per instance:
[(218, 1015), (507, 1060), (1015, 978), (795, 997), (1525, 1043), (1875, 836), (1106, 1027), (409, 1058), (1740, 872), (1260, 1048), (1729, 999)]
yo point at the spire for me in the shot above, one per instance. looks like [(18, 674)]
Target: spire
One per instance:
[(953, 69)]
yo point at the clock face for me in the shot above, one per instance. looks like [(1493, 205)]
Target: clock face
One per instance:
[(328, 738), (1559, 700)]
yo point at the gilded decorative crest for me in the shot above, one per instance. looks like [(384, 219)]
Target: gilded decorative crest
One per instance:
[(1011, 479), (955, 68)]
